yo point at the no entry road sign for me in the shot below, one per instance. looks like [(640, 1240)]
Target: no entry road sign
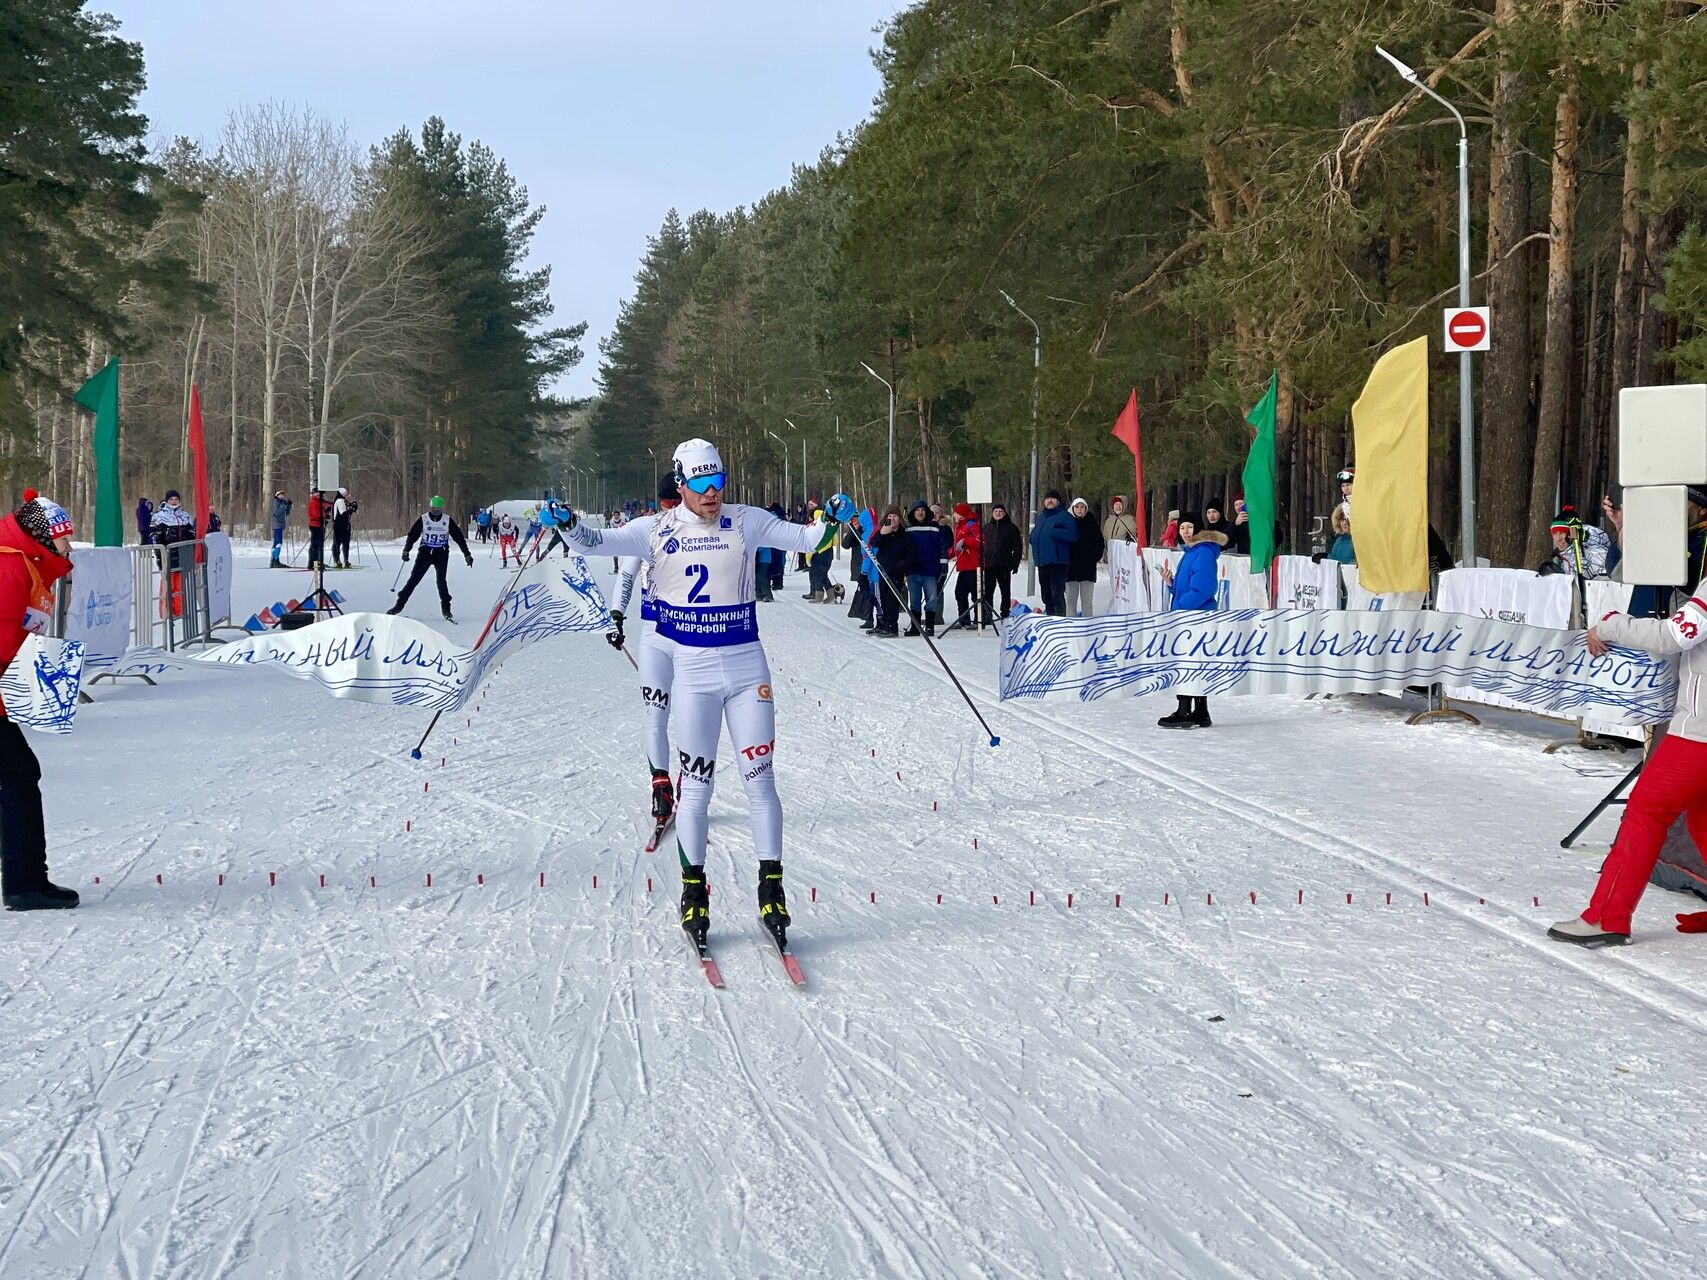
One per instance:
[(1467, 329)]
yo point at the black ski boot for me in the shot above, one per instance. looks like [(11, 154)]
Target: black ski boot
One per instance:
[(773, 905), (396, 608), (696, 903), (663, 796), (1181, 717), (448, 618)]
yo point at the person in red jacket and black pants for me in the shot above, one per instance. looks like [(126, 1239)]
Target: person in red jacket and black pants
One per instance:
[(319, 513), (35, 546)]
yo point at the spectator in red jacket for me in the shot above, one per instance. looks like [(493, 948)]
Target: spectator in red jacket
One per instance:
[(35, 546), (967, 550)]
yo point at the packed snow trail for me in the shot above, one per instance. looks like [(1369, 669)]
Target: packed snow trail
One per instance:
[(378, 1078)]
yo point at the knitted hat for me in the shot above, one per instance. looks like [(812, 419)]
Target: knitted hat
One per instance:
[(963, 510), (172, 493), (1567, 521), (1052, 493), (1698, 495), (44, 520)]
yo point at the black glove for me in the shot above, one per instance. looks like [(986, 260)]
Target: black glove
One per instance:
[(406, 556), (614, 635), (469, 556), (1316, 557)]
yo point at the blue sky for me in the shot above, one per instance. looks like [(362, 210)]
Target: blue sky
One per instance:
[(610, 113)]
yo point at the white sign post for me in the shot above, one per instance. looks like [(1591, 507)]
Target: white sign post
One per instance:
[(979, 491)]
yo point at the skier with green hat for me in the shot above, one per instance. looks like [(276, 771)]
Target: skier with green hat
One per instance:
[(435, 531)]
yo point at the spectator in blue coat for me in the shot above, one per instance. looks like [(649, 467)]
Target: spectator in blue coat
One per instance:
[(145, 521), (925, 552), (1051, 538), (1196, 585)]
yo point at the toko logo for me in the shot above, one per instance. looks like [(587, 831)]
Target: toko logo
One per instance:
[(759, 752)]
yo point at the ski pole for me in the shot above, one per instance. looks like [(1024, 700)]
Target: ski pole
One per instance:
[(492, 617), (995, 741)]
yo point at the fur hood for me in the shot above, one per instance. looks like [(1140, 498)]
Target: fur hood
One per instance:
[(1208, 535)]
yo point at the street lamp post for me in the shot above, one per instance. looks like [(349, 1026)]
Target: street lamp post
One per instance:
[(1466, 406), (787, 484), (889, 496), (805, 488), (1031, 488)]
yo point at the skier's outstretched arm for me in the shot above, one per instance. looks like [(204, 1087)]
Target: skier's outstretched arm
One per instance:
[(413, 538), (461, 542), (633, 539), (765, 530)]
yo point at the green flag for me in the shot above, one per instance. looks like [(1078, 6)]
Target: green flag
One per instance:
[(1261, 505), (100, 396)]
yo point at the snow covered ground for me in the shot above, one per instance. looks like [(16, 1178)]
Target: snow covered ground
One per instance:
[(381, 1078)]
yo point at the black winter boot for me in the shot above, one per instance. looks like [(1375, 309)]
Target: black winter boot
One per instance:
[(1181, 716), (50, 897), (1200, 714)]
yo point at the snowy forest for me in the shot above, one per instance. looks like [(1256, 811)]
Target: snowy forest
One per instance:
[(1185, 195)]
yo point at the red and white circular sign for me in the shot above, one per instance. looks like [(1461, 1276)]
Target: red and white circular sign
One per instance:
[(1467, 329)]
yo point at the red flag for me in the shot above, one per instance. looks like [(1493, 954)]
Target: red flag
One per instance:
[(1126, 431), (198, 454)]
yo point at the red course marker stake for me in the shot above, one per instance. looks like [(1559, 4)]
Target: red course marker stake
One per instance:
[(479, 877), (1348, 899), (995, 901), (814, 896), (272, 878), (1069, 899), (97, 879), (595, 882), (157, 879), (1164, 899), (542, 879), (373, 882), (939, 899), (429, 879), (1389, 899), (874, 895), (221, 879), (1253, 897), (322, 879), (1033, 902), (1117, 899), (1209, 899), (408, 825), (1425, 897)]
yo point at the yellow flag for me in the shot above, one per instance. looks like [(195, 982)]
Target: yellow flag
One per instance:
[(1389, 505)]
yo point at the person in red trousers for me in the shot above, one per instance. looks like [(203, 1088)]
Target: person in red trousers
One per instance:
[(35, 550), (1672, 782)]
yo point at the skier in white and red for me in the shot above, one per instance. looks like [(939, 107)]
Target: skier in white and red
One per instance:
[(699, 557)]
